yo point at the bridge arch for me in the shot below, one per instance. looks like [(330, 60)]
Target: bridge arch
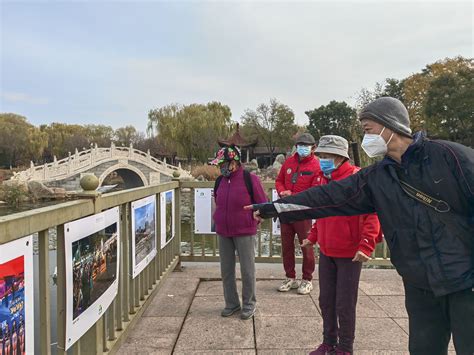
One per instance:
[(132, 176)]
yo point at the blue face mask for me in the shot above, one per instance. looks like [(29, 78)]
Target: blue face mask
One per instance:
[(327, 166), (303, 150)]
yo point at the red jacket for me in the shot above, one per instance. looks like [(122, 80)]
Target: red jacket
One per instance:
[(308, 170), (343, 236)]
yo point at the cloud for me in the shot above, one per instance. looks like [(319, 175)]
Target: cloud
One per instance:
[(19, 97), (304, 54)]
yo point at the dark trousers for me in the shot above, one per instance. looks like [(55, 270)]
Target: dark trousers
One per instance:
[(288, 231), (432, 320), (338, 290)]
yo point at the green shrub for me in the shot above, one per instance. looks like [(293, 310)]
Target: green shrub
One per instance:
[(13, 195)]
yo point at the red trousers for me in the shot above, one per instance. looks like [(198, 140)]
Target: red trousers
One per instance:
[(288, 231)]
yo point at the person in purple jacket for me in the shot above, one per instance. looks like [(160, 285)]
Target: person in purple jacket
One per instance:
[(236, 229)]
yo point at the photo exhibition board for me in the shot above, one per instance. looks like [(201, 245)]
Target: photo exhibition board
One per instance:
[(17, 296), (143, 233), (92, 266), (167, 209)]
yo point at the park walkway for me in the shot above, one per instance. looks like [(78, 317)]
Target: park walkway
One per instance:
[(184, 317)]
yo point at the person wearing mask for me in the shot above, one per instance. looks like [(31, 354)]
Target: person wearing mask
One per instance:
[(298, 173), (423, 193), (345, 243), (236, 229)]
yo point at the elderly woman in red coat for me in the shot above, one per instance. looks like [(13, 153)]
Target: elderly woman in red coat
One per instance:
[(345, 243)]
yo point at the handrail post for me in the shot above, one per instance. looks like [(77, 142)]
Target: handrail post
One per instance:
[(111, 318), (177, 196), (61, 293), (126, 309), (91, 341), (44, 293), (157, 237), (119, 299)]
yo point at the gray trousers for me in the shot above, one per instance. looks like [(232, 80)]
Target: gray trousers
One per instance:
[(245, 249)]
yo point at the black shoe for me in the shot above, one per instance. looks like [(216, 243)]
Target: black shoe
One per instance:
[(247, 313), (227, 312)]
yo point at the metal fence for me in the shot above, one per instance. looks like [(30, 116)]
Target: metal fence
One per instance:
[(204, 247), (133, 294)]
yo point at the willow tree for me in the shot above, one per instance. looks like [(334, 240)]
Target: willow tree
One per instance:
[(192, 130)]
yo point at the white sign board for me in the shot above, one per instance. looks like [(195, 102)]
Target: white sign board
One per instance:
[(276, 230), (205, 207)]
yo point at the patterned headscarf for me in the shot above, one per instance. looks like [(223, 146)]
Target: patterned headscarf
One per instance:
[(226, 154)]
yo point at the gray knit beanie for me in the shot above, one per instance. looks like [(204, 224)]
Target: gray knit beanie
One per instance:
[(389, 112)]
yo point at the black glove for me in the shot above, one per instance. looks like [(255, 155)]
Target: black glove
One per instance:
[(266, 210)]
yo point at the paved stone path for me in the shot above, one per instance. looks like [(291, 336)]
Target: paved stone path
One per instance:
[(184, 317)]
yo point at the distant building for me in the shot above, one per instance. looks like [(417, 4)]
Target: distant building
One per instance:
[(251, 149), (245, 146), (264, 156)]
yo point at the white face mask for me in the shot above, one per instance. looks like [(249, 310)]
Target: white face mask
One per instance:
[(374, 145)]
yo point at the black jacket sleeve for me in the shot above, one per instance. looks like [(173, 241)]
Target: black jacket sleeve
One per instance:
[(347, 197), (461, 160)]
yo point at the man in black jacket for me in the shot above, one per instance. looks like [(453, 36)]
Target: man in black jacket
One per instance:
[(423, 192)]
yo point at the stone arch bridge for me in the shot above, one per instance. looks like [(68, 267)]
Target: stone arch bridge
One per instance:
[(135, 167)]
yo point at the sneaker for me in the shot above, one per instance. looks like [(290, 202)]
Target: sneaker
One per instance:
[(227, 312), (341, 352), (247, 313), (287, 285), (323, 349), (305, 287)]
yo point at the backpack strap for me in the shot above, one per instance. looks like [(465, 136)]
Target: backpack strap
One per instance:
[(216, 185), (248, 183)]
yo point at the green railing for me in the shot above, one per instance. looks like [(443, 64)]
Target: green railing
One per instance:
[(106, 335), (204, 247), (133, 294)]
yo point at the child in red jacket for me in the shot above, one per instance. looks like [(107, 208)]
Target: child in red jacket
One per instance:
[(345, 243)]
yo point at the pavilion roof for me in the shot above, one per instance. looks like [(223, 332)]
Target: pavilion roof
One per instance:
[(236, 139)]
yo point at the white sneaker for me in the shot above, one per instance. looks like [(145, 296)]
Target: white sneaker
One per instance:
[(305, 287), (287, 285)]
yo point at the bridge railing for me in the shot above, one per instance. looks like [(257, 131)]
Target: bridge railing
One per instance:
[(202, 247), (85, 159), (133, 293)]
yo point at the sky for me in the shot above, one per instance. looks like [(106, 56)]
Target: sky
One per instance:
[(110, 62)]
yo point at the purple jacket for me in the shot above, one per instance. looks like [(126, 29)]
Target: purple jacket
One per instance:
[(230, 217)]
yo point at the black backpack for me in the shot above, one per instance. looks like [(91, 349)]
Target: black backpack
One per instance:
[(248, 184)]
